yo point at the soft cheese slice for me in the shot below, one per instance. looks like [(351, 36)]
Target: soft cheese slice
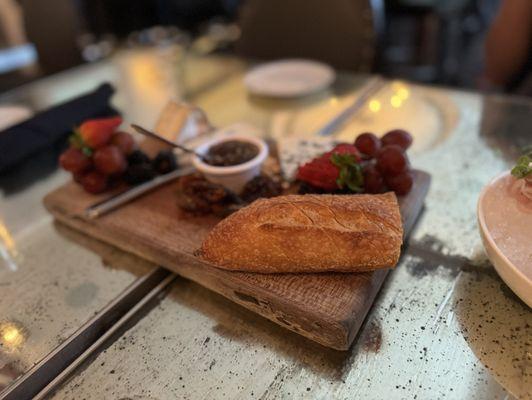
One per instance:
[(295, 151)]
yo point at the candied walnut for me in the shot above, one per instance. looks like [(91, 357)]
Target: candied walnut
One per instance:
[(261, 186), (199, 196)]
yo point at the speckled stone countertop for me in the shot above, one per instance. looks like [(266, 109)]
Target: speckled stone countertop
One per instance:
[(444, 326), (50, 285)]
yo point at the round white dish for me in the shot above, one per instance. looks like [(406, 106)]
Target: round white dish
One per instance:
[(429, 115), (289, 78), (236, 176), (513, 275)]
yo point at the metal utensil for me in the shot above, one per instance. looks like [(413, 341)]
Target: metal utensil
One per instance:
[(119, 199), (369, 90), (153, 135)]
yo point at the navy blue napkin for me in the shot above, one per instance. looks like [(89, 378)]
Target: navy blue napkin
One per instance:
[(48, 130)]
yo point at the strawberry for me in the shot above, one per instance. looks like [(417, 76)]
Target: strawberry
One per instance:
[(96, 133), (333, 170), (320, 173)]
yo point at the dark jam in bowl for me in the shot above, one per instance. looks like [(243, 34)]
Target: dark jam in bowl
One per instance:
[(231, 152)]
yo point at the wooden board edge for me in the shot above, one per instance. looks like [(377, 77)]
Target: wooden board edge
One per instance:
[(332, 334), (338, 335), (423, 180)]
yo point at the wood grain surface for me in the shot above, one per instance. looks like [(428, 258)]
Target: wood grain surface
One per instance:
[(328, 308)]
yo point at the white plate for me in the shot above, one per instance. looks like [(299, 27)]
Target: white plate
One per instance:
[(493, 237), (289, 78), (429, 115)]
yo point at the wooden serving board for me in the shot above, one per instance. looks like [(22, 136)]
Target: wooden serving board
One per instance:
[(328, 308)]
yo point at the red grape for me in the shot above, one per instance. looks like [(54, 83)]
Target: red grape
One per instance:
[(368, 144), (124, 141), (74, 160), (402, 183), (78, 176), (373, 181), (109, 160), (94, 182), (398, 137), (391, 160)]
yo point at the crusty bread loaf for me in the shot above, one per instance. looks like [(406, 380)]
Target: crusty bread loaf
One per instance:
[(309, 233)]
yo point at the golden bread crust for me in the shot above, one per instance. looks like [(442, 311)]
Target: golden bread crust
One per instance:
[(309, 233)]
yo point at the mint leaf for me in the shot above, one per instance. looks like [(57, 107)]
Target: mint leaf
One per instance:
[(341, 160), (76, 140), (87, 151), (523, 167), (356, 180), (350, 172)]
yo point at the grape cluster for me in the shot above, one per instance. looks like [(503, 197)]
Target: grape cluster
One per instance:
[(386, 165), (112, 158)]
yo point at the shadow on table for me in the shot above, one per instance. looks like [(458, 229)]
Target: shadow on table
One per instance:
[(497, 326), (494, 322), (112, 257), (236, 322)]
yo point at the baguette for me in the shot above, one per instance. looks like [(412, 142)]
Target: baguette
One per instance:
[(309, 233)]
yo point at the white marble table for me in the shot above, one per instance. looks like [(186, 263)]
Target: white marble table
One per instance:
[(443, 327)]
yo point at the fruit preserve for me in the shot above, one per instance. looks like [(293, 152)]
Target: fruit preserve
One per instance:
[(231, 152)]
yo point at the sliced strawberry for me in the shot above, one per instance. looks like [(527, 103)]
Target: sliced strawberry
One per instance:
[(96, 133)]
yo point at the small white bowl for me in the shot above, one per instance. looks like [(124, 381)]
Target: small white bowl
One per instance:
[(233, 177), (510, 274)]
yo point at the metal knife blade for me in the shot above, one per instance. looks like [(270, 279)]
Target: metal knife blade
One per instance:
[(119, 199), (370, 89)]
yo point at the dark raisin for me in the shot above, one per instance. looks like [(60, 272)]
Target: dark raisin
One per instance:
[(260, 186), (137, 157), (165, 162), (199, 196), (139, 173)]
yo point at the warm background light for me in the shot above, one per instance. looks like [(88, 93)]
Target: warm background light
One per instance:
[(396, 101), (374, 105), (11, 335)]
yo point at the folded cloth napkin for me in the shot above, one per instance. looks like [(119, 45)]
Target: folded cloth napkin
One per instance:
[(48, 128)]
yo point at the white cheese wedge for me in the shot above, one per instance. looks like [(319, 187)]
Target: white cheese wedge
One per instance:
[(296, 151)]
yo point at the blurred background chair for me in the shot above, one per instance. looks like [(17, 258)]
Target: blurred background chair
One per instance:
[(436, 41), (430, 41), (17, 55), (342, 33), (53, 27)]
